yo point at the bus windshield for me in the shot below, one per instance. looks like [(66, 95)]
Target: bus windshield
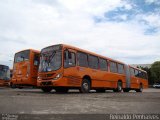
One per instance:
[(4, 72), (22, 56), (50, 58)]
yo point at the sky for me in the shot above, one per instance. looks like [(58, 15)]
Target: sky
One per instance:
[(125, 30)]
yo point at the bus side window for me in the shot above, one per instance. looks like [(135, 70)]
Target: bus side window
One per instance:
[(36, 59), (93, 61), (69, 59), (136, 73), (103, 64), (132, 72), (72, 59), (82, 59), (120, 68), (113, 67)]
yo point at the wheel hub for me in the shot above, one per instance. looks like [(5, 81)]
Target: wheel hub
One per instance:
[(85, 86)]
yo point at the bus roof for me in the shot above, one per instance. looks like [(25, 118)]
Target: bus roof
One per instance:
[(37, 51), (137, 69), (86, 51), (4, 65)]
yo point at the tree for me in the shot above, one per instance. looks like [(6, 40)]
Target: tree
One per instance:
[(155, 71)]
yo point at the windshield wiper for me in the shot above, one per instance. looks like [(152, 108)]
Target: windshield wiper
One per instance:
[(51, 56)]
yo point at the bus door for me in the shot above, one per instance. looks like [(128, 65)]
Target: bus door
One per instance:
[(35, 66), (70, 69)]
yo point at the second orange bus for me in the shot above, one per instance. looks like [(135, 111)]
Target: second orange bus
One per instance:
[(25, 68)]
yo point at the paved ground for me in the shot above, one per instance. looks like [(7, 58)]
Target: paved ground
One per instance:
[(34, 101)]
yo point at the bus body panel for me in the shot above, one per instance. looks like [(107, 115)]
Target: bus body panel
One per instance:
[(4, 82)]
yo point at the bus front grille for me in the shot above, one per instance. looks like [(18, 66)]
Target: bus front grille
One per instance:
[(46, 83)]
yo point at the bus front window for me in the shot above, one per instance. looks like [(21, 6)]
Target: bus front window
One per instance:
[(50, 59), (4, 73), (22, 56)]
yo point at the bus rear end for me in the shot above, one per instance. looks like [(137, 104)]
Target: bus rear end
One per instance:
[(25, 68), (4, 75)]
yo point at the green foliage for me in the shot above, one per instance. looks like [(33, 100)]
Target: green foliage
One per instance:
[(155, 71)]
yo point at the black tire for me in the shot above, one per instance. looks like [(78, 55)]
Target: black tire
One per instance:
[(126, 90), (100, 90), (46, 89), (114, 90), (140, 88), (20, 87), (12, 85), (61, 90), (119, 87), (85, 86)]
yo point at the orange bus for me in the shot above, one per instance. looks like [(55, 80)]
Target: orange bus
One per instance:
[(4, 75), (25, 68), (63, 67)]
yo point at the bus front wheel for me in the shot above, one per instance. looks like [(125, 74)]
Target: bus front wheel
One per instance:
[(85, 86), (126, 90), (12, 85), (46, 89)]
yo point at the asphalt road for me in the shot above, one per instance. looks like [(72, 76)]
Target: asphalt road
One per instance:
[(34, 101)]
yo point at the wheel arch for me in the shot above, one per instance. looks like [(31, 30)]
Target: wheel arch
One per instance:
[(119, 80)]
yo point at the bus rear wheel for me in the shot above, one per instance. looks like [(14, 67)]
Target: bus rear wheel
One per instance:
[(46, 89), (140, 88), (61, 90), (12, 85), (125, 90), (85, 86), (20, 87), (119, 87)]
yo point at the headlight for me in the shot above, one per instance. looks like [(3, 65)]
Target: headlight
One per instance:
[(58, 76), (27, 75), (38, 78)]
